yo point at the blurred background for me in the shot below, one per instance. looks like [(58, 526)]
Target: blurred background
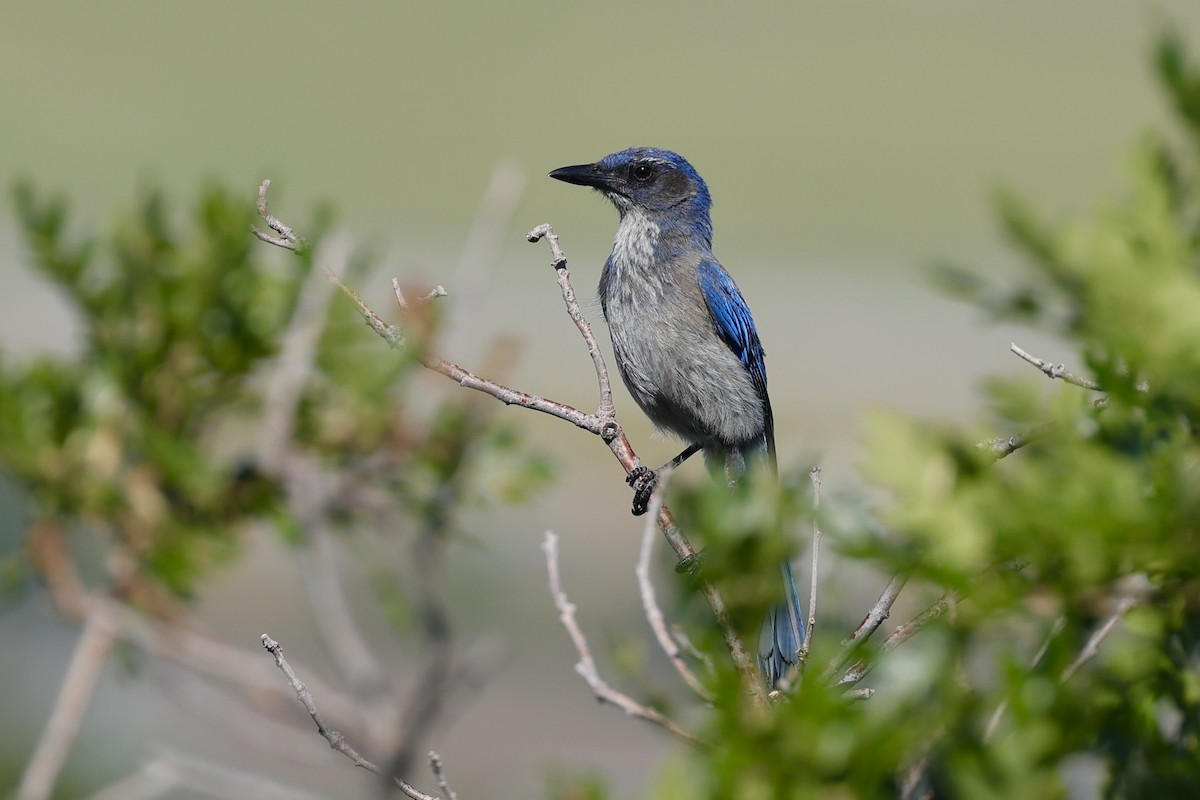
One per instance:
[(845, 152)]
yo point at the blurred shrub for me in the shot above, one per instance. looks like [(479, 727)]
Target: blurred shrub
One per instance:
[(147, 438), (1104, 504)]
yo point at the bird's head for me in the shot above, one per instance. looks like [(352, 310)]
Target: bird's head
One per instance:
[(658, 183)]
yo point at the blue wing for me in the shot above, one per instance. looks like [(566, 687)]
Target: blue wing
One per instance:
[(732, 318), (783, 630)]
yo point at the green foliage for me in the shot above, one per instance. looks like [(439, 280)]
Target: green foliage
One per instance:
[(147, 437), (1103, 504), (173, 326)]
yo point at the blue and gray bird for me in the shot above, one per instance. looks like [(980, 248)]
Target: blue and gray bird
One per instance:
[(684, 339)]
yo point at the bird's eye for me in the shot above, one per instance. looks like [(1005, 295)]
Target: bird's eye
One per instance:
[(642, 172)]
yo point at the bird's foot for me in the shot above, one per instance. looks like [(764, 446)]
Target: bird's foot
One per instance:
[(643, 481)]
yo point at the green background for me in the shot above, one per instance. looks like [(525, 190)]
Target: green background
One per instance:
[(846, 145)]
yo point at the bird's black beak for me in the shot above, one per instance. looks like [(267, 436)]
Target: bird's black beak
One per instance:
[(584, 175)]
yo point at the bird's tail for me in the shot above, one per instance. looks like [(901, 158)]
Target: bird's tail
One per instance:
[(782, 632), (783, 629)]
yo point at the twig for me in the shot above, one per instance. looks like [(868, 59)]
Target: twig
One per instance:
[(1007, 445), (270, 731), (902, 634), (172, 642), (1056, 370), (913, 783), (293, 367), (287, 238), (870, 623), (587, 665), (402, 302), (438, 679), (606, 410), (994, 722), (439, 772), (91, 654), (688, 646), (336, 740), (906, 631), (654, 615), (395, 338), (814, 476), (1092, 646), (334, 621), (472, 278), (909, 629)]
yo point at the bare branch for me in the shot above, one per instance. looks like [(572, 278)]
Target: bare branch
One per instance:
[(91, 654), (1092, 646), (334, 621), (293, 367), (654, 615), (172, 642), (1056, 370), (814, 476), (439, 772), (688, 646), (906, 631), (336, 740), (401, 301), (1124, 604), (587, 665), (472, 278), (270, 730), (870, 623), (606, 410), (1007, 445), (997, 715), (286, 238)]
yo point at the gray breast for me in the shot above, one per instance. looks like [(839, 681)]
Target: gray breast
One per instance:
[(679, 371)]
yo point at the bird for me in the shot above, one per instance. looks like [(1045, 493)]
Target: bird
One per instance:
[(684, 340)]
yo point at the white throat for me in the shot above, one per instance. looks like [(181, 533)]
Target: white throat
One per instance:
[(635, 241)]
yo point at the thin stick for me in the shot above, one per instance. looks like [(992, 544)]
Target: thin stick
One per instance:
[(293, 367), (587, 665), (997, 715), (91, 654), (336, 740), (286, 238), (654, 615), (870, 623), (1056, 370), (814, 476), (906, 631), (1092, 646), (606, 409), (1007, 445), (439, 772)]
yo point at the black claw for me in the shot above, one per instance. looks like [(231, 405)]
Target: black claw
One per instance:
[(642, 479)]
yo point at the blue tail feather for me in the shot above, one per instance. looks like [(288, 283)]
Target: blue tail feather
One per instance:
[(782, 632)]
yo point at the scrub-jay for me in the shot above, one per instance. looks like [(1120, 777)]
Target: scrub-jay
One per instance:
[(684, 340)]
